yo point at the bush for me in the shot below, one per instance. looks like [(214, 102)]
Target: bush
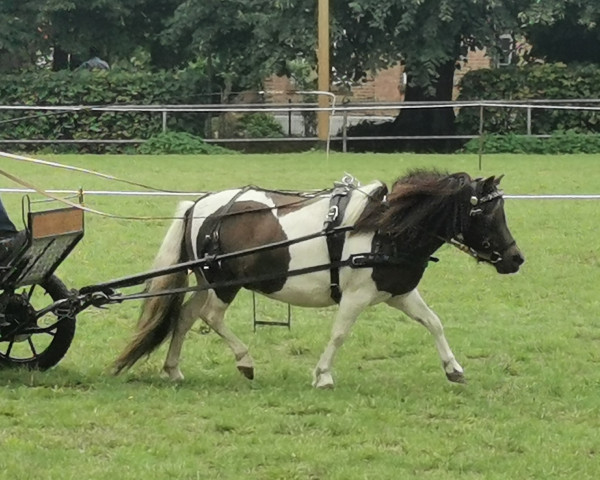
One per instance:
[(567, 142), (179, 143), (45, 88), (259, 125), (546, 82), (251, 125)]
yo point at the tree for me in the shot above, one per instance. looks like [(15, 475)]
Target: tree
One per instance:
[(113, 28), (565, 31), (19, 40), (428, 37), (248, 40), (67, 31), (547, 12), (244, 41)]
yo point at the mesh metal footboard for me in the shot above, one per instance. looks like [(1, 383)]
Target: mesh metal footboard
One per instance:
[(51, 235)]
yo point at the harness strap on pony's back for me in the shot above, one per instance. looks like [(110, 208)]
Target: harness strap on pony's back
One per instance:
[(338, 202), (210, 245)]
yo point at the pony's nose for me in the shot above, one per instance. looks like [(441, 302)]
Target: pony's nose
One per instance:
[(518, 258)]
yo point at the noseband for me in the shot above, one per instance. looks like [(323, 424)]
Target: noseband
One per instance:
[(494, 256)]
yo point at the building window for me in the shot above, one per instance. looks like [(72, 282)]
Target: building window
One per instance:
[(506, 49)]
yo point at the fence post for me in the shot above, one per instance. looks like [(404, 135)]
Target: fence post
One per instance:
[(480, 134), (289, 118), (345, 131), (164, 121), (528, 120)]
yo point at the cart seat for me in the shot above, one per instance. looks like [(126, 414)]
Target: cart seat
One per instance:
[(50, 237)]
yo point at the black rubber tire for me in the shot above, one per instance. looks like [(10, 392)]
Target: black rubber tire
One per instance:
[(60, 343)]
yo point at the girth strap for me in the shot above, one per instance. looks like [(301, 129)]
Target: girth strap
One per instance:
[(338, 202)]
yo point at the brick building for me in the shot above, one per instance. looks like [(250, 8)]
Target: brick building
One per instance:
[(385, 86)]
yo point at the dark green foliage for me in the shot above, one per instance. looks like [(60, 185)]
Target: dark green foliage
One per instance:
[(258, 125), (44, 88), (250, 125), (560, 143), (179, 143), (67, 33), (546, 82), (566, 40)]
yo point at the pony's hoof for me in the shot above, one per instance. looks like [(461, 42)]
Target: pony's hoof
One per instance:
[(325, 386), (456, 377), (173, 374), (323, 382), (247, 372)]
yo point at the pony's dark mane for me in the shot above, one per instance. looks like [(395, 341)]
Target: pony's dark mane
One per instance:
[(423, 201)]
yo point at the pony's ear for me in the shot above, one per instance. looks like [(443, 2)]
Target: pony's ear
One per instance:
[(489, 185), (497, 180)]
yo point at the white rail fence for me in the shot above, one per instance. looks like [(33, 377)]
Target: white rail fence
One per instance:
[(130, 193), (290, 116)]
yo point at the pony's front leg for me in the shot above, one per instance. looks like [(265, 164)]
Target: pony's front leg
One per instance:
[(415, 307), (349, 309)]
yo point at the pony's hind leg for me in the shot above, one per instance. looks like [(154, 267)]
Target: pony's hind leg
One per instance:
[(213, 314), (415, 307), (190, 311)]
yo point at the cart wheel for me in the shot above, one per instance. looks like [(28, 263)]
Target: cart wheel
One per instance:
[(41, 349)]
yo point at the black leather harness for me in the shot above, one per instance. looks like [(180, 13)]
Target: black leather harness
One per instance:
[(209, 246), (384, 250), (340, 197)]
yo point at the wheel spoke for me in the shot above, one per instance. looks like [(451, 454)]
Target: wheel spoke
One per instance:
[(32, 347), (30, 292), (10, 345)]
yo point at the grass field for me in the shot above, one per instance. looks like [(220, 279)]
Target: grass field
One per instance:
[(529, 344)]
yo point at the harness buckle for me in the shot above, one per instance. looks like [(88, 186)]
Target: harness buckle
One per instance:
[(347, 181), (333, 213), (359, 260)]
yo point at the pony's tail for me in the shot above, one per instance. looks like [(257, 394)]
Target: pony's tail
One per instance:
[(159, 314)]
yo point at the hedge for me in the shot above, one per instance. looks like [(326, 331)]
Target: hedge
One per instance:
[(558, 143), (45, 88), (549, 81)]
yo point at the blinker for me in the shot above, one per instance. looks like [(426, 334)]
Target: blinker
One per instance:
[(474, 200)]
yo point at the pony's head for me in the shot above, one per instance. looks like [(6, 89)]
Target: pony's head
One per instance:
[(425, 207), (487, 234)]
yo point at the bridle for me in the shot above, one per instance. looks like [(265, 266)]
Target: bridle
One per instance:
[(492, 257)]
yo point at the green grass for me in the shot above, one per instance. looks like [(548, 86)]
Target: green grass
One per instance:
[(529, 343)]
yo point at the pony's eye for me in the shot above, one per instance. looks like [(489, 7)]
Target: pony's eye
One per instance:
[(486, 244)]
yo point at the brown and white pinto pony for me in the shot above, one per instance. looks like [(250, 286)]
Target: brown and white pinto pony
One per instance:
[(402, 229)]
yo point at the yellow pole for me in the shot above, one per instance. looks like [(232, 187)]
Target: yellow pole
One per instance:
[(323, 69)]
